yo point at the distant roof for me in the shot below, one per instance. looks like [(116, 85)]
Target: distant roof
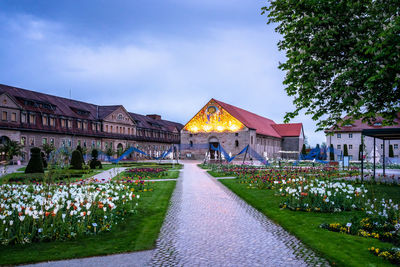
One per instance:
[(150, 123), (358, 126), (261, 124)]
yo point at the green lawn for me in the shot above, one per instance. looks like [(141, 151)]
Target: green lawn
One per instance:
[(137, 232), (339, 249)]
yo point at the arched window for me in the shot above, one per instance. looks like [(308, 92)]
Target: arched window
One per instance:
[(191, 143), (237, 143)]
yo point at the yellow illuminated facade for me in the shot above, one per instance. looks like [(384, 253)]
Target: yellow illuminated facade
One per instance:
[(212, 118)]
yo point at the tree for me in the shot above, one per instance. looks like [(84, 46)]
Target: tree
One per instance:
[(48, 148), (110, 152), (342, 58), (391, 153), (11, 149), (303, 150), (35, 164), (79, 148), (76, 160), (359, 152), (345, 151), (331, 153)]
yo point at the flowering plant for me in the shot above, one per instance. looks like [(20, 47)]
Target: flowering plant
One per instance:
[(34, 213)]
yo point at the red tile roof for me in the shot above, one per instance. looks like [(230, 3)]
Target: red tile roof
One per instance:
[(288, 129), (358, 126), (261, 124)]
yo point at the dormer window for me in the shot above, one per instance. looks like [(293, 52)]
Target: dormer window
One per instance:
[(120, 117)]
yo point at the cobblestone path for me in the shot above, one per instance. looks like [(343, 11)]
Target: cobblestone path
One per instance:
[(208, 225)]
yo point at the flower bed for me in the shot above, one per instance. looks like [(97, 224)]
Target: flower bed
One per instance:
[(319, 195), (393, 254), (380, 220), (146, 173), (35, 213)]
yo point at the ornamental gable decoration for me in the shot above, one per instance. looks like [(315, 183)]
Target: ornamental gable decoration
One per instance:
[(213, 118)]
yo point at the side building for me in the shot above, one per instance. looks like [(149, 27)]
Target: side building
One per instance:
[(235, 128), (350, 135), (34, 119)]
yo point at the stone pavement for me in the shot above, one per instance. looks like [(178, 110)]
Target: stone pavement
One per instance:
[(208, 225), (107, 175)]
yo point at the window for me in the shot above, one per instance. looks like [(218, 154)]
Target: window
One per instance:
[(236, 134), (79, 125), (44, 141), (69, 143), (381, 146), (93, 126), (236, 143), (85, 125), (339, 135), (63, 143), (93, 143), (190, 135), (120, 117), (52, 141), (350, 146), (350, 157), (350, 135), (63, 123), (106, 128), (191, 143), (4, 116), (23, 140), (111, 130), (32, 119), (45, 121), (251, 139), (84, 143), (23, 117), (395, 146), (339, 147), (52, 122), (31, 141), (14, 116), (98, 143), (69, 124)]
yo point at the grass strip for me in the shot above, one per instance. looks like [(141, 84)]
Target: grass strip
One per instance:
[(138, 232), (339, 249)]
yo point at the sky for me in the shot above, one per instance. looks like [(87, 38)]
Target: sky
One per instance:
[(168, 57)]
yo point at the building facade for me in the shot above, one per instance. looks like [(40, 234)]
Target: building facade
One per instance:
[(350, 135), (34, 119), (219, 123)]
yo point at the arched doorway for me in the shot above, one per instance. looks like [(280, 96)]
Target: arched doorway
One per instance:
[(120, 148), (213, 144)]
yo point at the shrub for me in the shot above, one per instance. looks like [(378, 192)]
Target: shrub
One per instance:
[(94, 163), (331, 154), (303, 150), (35, 164), (44, 160), (345, 150), (391, 154), (79, 148), (76, 160)]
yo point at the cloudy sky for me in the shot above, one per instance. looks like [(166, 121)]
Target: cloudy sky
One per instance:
[(153, 56)]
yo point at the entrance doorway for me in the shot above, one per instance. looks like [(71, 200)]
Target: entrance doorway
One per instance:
[(213, 144)]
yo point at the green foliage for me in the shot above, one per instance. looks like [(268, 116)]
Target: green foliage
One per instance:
[(79, 148), (359, 152), (391, 153), (11, 149), (76, 160), (303, 150), (95, 154), (48, 148), (35, 164), (345, 150), (331, 154), (342, 57), (94, 163), (44, 160), (109, 152)]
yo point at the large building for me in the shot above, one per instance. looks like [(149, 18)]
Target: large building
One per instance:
[(350, 135), (34, 119), (218, 123)]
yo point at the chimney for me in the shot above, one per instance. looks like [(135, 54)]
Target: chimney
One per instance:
[(154, 116)]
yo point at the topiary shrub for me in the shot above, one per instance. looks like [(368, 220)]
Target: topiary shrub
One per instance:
[(331, 153), (345, 150), (391, 154), (35, 164), (44, 160), (79, 148), (76, 160), (94, 163)]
